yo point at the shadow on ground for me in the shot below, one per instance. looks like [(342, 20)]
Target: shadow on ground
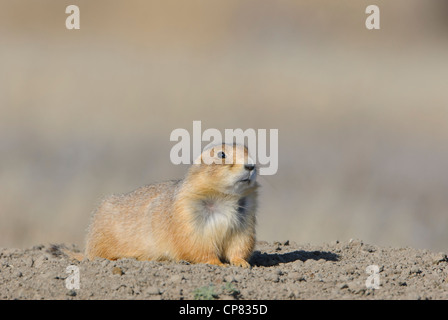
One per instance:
[(272, 259)]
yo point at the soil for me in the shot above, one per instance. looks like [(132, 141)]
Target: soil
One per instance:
[(279, 270)]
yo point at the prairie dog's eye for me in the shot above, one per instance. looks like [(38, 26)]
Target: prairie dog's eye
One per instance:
[(221, 155)]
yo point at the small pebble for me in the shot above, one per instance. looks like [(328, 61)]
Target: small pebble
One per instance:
[(152, 291), (71, 293), (118, 271)]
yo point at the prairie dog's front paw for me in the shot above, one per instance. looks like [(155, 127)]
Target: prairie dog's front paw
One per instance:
[(239, 262), (216, 262)]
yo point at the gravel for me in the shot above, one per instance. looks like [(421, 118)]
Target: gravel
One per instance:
[(280, 270)]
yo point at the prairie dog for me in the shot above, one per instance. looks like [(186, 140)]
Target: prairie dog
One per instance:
[(206, 217)]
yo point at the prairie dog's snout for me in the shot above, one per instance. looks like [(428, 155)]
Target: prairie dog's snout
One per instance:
[(249, 166)]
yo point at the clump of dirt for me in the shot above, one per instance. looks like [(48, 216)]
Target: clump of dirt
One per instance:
[(279, 270)]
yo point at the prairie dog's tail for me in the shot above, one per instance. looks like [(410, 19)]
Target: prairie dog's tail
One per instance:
[(62, 250)]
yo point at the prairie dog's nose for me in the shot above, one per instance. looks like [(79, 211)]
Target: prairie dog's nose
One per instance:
[(249, 166)]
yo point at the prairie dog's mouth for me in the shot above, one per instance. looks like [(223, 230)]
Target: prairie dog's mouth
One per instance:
[(245, 178), (248, 176), (248, 179)]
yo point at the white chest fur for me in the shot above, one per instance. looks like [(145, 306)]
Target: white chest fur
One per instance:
[(218, 217)]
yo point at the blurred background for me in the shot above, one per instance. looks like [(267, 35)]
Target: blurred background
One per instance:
[(362, 115)]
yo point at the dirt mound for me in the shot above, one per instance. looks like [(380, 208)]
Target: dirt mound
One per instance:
[(338, 270)]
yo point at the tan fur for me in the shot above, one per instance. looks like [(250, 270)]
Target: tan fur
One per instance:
[(207, 217)]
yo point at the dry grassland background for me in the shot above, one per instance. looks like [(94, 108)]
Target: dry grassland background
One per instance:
[(362, 115)]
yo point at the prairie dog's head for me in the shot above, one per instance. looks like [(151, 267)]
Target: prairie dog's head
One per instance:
[(225, 168)]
